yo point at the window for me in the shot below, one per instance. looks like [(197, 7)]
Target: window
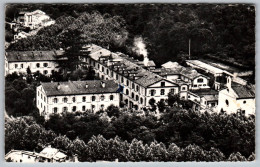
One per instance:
[(83, 98), (195, 86), (172, 90), (184, 88), (55, 100), (44, 99), (243, 112), (162, 84), (111, 97), (126, 101), (74, 108), (153, 92), (16, 65), (227, 103), (73, 99), (102, 98), (45, 64), (45, 72), (204, 84), (200, 80), (133, 85), (141, 100), (55, 110), (41, 96), (116, 77), (37, 65), (112, 74), (127, 92), (103, 69), (102, 107), (65, 99), (122, 80), (21, 65), (107, 72), (93, 98), (93, 107), (83, 108), (244, 102), (65, 109), (136, 97), (137, 88), (127, 82), (133, 95), (162, 91)]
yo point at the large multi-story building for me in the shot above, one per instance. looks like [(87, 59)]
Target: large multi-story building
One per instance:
[(72, 96), (42, 61), (138, 84)]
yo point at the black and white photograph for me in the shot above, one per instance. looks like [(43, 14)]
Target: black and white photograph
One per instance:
[(129, 82)]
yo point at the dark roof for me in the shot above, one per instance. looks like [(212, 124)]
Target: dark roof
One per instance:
[(202, 92), (211, 97), (148, 79), (243, 91), (20, 56), (79, 87)]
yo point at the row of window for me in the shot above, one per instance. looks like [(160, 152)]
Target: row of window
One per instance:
[(37, 65), (93, 98), (199, 85), (74, 108)]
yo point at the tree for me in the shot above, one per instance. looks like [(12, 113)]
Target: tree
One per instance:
[(193, 153), (61, 142), (157, 152), (161, 105), (215, 155), (174, 153), (136, 151), (236, 157)]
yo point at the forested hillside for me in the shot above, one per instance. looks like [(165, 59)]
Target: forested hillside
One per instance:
[(223, 31)]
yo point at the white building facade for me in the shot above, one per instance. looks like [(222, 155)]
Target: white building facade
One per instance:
[(138, 84), (237, 98), (44, 62), (72, 96)]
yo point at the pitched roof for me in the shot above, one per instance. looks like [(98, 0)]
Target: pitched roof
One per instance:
[(79, 87), (21, 56), (54, 153), (148, 79), (174, 68), (243, 91), (211, 97)]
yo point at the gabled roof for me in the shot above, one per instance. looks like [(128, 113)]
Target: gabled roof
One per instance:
[(243, 91), (211, 97), (147, 80), (174, 68), (21, 56), (79, 87)]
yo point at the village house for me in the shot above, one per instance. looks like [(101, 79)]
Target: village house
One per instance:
[(237, 98), (138, 84), (44, 62), (34, 19), (72, 96), (48, 154)]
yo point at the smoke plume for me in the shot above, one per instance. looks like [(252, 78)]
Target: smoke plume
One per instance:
[(140, 47)]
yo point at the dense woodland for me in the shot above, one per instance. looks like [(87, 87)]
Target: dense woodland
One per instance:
[(179, 135), (223, 31)]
